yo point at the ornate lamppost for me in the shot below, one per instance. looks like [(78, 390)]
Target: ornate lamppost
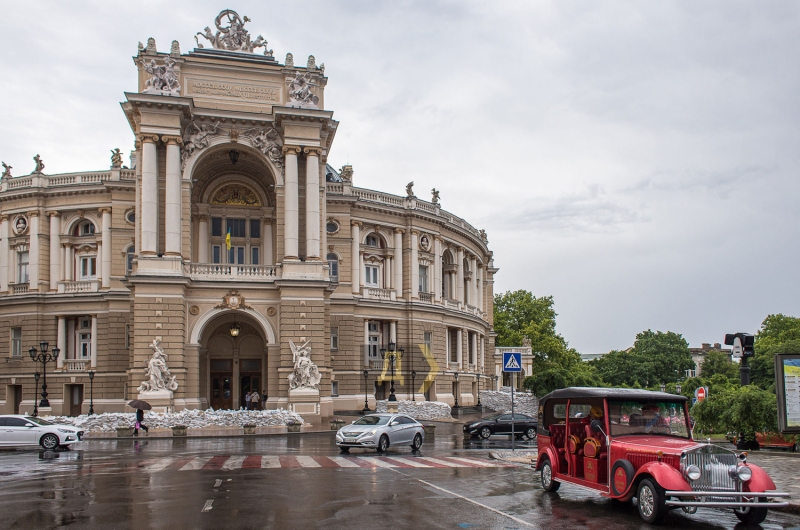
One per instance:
[(91, 392), (677, 388), (393, 353), (366, 403), (663, 387), (35, 401), (457, 390), (413, 386), (44, 357), (479, 389)]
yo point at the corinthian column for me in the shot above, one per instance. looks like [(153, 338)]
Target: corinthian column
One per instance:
[(290, 204), (437, 269), (3, 253), (355, 261), (473, 284), (398, 264), (172, 197), (105, 256), (414, 264), (149, 212), (312, 203), (33, 251), (55, 250), (460, 277)]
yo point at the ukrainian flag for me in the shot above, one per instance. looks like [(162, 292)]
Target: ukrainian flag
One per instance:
[(228, 240)]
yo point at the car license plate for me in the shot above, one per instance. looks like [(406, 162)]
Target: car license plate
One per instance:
[(350, 440)]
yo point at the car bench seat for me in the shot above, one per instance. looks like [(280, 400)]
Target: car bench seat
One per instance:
[(575, 448), (595, 452), (557, 441)]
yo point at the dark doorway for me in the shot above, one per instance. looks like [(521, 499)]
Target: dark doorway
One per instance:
[(249, 380), (221, 397), (14, 395), (75, 393), (426, 386)]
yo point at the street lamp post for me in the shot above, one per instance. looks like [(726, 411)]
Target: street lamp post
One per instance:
[(494, 379), (366, 403), (35, 401), (663, 387), (479, 389), (91, 392), (457, 390), (44, 357), (393, 353), (677, 388), (413, 386)]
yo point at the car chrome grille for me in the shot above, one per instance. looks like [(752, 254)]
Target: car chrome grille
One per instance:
[(714, 463), (352, 434)]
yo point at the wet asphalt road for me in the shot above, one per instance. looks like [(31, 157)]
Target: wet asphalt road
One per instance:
[(152, 484)]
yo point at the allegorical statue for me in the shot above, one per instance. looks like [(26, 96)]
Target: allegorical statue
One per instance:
[(163, 78), (6, 171), (196, 138), (410, 189), (435, 196), (116, 158), (306, 374), (300, 94), (39, 164), (158, 375), (232, 37)]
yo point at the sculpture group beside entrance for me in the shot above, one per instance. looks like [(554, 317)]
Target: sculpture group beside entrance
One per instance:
[(306, 373), (158, 376)]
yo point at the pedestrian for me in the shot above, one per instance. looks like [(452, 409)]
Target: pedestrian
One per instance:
[(139, 424), (247, 401), (255, 400)]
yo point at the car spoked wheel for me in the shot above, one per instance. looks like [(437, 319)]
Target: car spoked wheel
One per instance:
[(49, 441), (485, 432), (548, 484), (383, 444), (754, 515), (417, 443), (652, 503)]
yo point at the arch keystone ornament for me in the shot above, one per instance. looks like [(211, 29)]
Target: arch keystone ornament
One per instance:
[(232, 300)]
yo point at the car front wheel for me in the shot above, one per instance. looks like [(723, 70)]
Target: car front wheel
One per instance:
[(344, 449), (485, 432), (548, 484), (652, 502), (752, 516), (417, 443), (49, 441), (383, 444), (530, 433)]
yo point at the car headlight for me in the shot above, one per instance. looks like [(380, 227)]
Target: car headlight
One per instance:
[(66, 431), (693, 472), (373, 431), (744, 473)]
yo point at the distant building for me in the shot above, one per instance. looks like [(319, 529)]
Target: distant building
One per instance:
[(699, 356), (586, 357)]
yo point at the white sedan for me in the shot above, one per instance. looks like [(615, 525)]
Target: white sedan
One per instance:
[(17, 429)]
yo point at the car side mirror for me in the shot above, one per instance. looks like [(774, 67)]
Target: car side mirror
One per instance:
[(394, 423), (29, 425), (352, 421), (596, 426)]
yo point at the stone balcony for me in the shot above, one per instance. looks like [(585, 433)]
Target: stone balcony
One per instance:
[(80, 286), (233, 273), (19, 288), (426, 298), (376, 293), (75, 365)]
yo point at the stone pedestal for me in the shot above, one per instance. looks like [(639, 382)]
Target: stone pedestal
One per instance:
[(160, 400), (392, 407), (305, 402)]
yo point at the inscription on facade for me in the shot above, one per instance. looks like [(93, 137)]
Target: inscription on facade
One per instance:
[(231, 90)]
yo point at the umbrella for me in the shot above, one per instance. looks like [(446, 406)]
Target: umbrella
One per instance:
[(139, 404)]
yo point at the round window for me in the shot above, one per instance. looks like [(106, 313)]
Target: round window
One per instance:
[(131, 216), (332, 227)]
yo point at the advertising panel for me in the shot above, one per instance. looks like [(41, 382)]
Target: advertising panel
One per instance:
[(787, 386)]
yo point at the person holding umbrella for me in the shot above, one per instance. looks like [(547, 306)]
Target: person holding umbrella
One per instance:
[(140, 407)]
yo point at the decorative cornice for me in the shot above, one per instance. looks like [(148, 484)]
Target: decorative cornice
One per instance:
[(313, 151)]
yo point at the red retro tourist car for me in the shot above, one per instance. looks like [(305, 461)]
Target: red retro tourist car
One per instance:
[(627, 443)]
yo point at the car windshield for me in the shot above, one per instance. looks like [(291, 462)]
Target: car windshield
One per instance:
[(372, 420), (491, 417), (647, 417), (38, 421)]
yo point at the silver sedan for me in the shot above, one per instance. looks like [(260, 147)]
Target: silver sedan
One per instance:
[(380, 431)]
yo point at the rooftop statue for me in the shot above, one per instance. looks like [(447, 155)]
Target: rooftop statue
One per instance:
[(435, 196), (39, 164), (116, 158), (410, 189), (6, 171), (232, 37), (163, 79), (300, 94)]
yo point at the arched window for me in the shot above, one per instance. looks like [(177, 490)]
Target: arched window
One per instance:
[(373, 241), (333, 264), (129, 253), (86, 228)]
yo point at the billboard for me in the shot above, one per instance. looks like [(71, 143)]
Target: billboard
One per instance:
[(787, 386)]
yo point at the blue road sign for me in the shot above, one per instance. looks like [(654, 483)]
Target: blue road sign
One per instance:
[(512, 361)]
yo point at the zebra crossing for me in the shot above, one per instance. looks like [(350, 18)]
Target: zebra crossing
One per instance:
[(236, 462)]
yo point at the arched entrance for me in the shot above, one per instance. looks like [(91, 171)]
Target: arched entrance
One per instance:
[(233, 358)]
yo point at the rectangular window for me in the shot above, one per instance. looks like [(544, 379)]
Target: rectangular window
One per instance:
[(236, 227), (84, 345), (127, 336), (334, 388), (88, 268), (335, 338), (216, 227), (428, 341), (236, 256), (22, 267), (16, 342), (453, 334), (216, 254), (254, 256), (255, 228), (374, 340), (371, 277), (423, 278)]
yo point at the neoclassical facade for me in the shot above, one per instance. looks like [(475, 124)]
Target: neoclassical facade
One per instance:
[(230, 240)]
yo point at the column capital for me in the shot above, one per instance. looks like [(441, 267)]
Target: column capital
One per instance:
[(148, 138), (66, 245), (355, 223), (202, 217), (33, 213), (313, 151), (415, 232), (459, 248), (3, 218), (53, 213), (291, 150), (105, 209), (399, 231), (177, 140), (267, 220), (437, 237)]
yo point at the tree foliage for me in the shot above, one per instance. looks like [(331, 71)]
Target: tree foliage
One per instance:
[(718, 362), (778, 334), (741, 409)]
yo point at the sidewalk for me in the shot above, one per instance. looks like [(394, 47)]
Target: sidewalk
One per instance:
[(784, 468)]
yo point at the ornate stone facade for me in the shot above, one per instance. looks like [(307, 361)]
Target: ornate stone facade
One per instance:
[(228, 197)]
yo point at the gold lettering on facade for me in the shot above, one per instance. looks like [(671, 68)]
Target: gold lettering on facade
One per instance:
[(230, 90)]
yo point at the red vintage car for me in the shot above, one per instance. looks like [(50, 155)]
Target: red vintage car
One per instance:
[(627, 443)]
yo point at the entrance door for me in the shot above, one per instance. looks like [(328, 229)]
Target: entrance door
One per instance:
[(248, 383), (75, 400), (15, 395), (221, 395)]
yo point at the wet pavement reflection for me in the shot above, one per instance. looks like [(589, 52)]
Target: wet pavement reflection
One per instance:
[(303, 481)]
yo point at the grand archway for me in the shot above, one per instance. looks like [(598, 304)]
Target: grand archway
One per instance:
[(234, 351)]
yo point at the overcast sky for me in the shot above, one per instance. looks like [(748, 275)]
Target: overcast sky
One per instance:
[(636, 160)]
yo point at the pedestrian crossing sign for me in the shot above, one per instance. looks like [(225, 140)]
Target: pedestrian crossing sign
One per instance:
[(512, 361)]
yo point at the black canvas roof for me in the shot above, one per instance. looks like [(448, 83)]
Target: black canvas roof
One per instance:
[(611, 393)]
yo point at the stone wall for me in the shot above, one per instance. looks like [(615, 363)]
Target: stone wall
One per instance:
[(420, 410), (524, 402)]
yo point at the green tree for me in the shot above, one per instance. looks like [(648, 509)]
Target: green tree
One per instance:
[(778, 334), (553, 377), (717, 362), (741, 409)]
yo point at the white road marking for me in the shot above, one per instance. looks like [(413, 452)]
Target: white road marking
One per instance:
[(160, 464), (378, 462), (197, 463), (218, 483), (342, 462), (270, 461), (440, 462), (207, 506), (234, 462), (471, 461), (307, 461), (408, 461)]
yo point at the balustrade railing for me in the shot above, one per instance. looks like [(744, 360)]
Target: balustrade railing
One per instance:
[(20, 288), (224, 271), (378, 294), (75, 365), (426, 297), (79, 286)]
